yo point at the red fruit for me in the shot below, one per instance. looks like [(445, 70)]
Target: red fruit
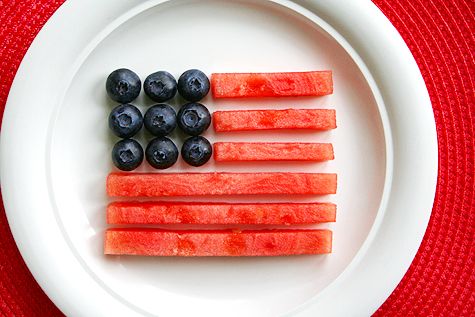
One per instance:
[(241, 151), (192, 184), (234, 85), (248, 120), (155, 242), (219, 213)]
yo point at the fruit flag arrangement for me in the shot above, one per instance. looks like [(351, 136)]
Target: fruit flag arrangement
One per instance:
[(193, 118)]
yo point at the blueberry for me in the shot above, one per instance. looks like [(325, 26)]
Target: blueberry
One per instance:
[(127, 154), (196, 150), (160, 119), (193, 85), (193, 118), (160, 86), (125, 120), (161, 153), (123, 85)]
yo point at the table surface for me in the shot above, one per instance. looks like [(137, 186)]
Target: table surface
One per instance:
[(441, 36)]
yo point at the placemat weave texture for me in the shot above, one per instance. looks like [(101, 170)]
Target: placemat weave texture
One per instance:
[(441, 36)]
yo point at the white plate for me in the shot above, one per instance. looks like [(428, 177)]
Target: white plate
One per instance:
[(55, 154)]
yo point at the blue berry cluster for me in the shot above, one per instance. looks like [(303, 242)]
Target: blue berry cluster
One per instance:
[(125, 120)]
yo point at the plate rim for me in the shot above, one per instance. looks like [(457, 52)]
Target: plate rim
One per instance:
[(64, 15)]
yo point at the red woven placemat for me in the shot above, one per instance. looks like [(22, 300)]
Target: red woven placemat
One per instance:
[(441, 279)]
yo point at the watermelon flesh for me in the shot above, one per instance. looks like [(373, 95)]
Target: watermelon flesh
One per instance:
[(193, 184), (249, 120), (219, 213), (243, 151), (155, 242), (235, 85)]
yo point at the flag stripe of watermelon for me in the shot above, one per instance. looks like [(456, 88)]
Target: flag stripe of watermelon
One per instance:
[(155, 242), (219, 213), (235, 85), (243, 151), (192, 184), (249, 120)]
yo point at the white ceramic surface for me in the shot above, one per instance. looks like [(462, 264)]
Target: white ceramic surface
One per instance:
[(55, 154)]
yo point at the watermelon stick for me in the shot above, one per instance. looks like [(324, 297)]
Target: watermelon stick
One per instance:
[(219, 213), (156, 242), (235, 85), (292, 119), (196, 184), (244, 151)]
